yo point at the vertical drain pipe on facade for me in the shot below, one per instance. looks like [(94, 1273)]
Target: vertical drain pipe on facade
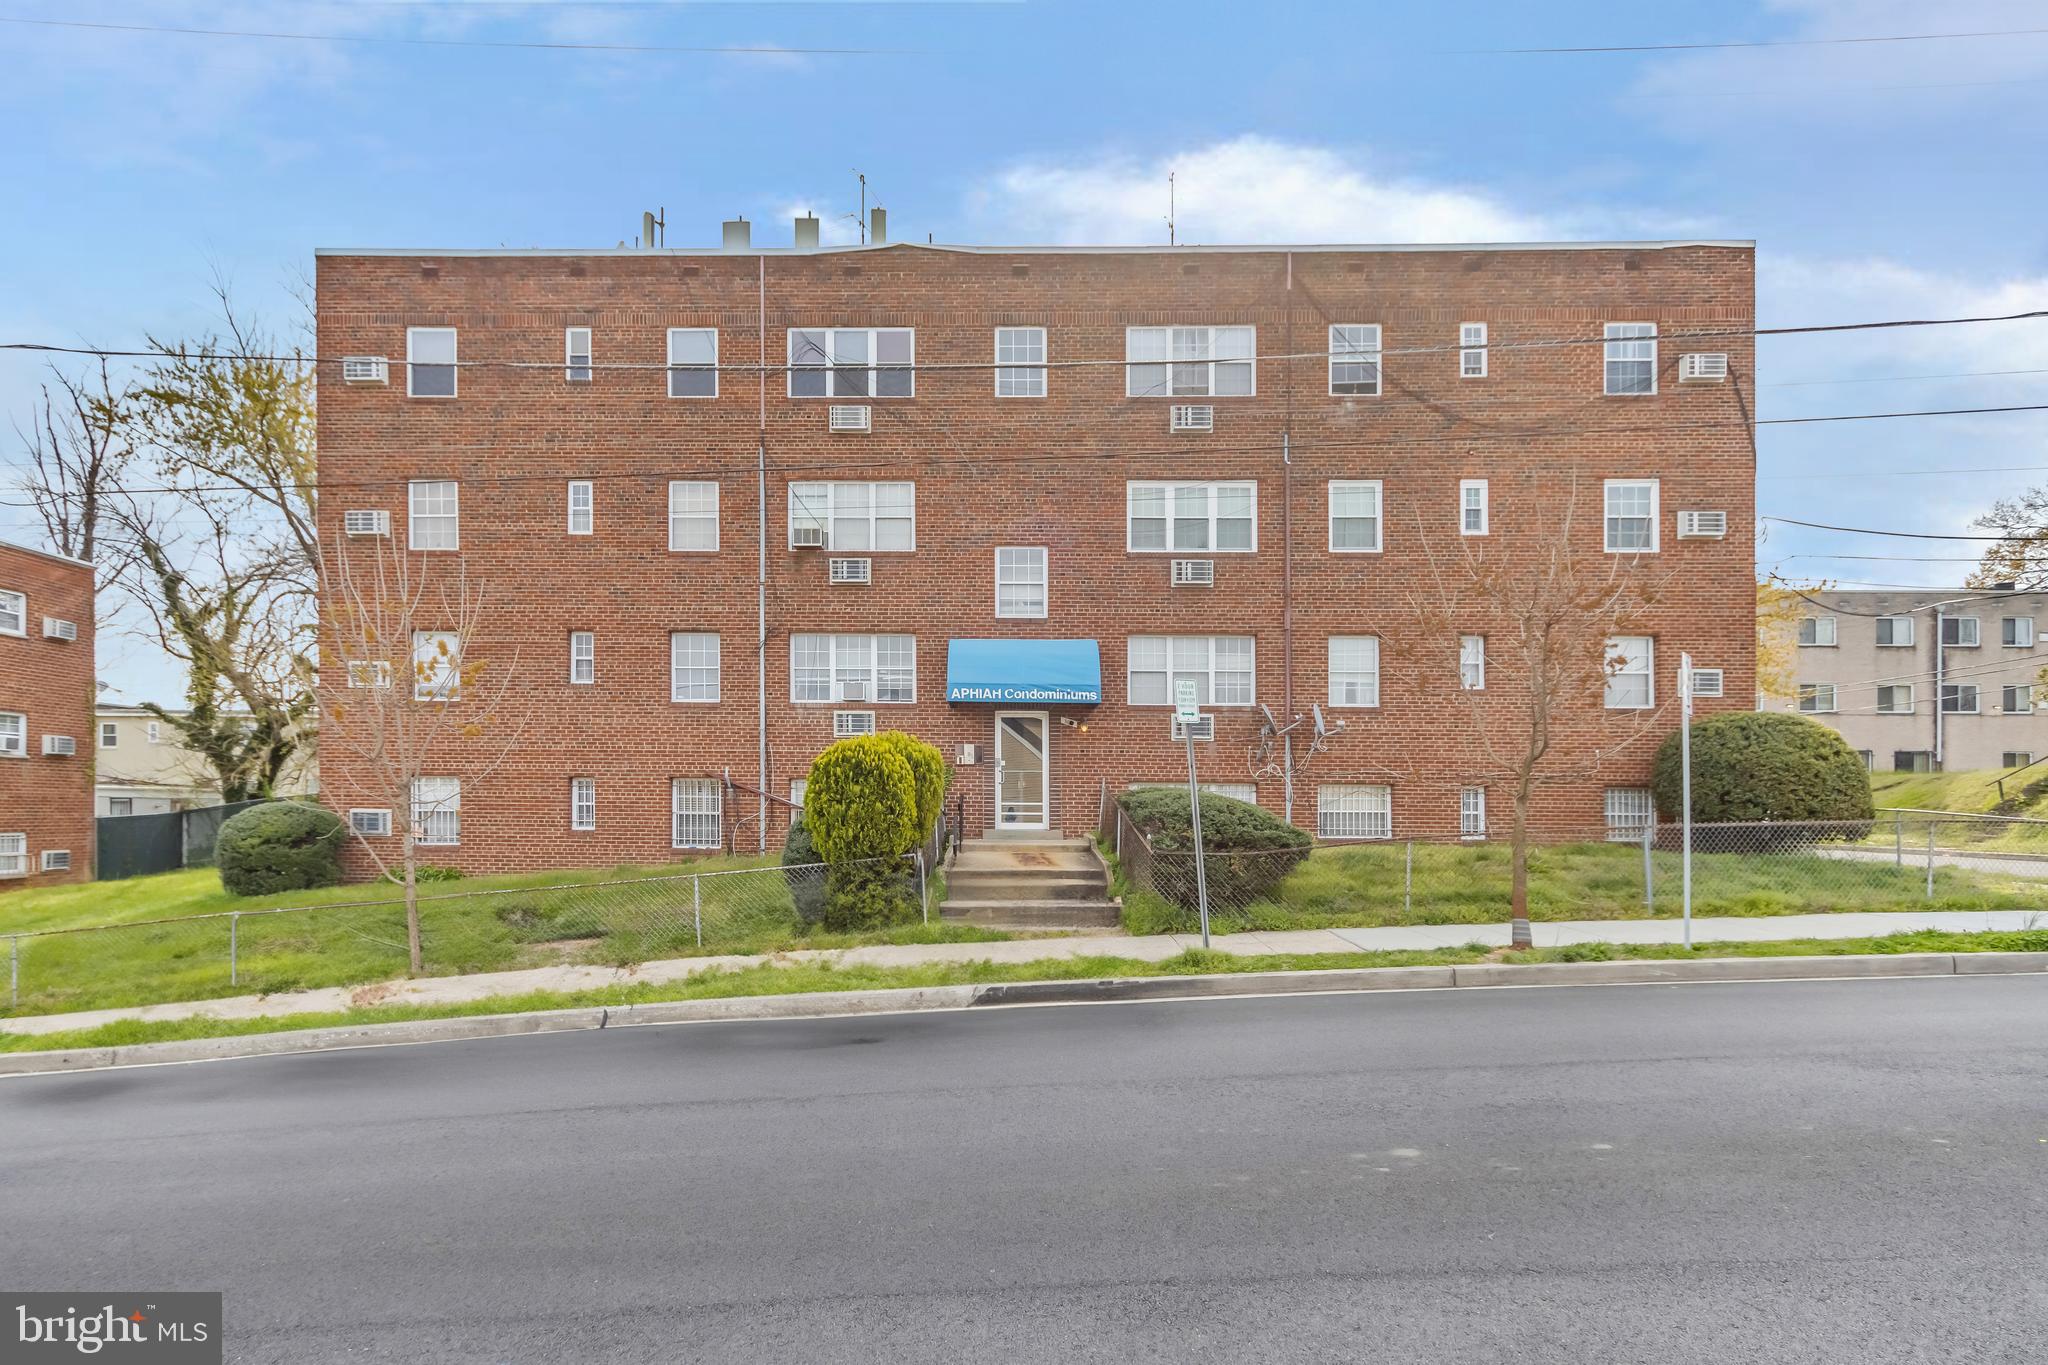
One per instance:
[(1287, 563), (761, 548)]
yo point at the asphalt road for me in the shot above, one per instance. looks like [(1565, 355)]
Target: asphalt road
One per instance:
[(1846, 1171)]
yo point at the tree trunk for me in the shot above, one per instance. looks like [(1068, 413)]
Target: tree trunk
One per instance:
[(1518, 860), (412, 909)]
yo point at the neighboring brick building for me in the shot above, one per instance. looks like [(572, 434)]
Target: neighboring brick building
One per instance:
[(583, 497), (46, 697)]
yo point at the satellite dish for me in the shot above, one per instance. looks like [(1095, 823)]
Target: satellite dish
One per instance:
[(1321, 729), (1271, 724)]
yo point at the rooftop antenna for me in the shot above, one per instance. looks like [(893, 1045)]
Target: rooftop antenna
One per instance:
[(863, 220), (1169, 209), (654, 228)]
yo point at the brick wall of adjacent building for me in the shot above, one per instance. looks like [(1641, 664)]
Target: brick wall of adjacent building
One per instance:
[(1050, 472), (50, 682)]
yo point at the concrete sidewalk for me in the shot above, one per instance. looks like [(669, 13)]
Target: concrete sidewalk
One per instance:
[(443, 990)]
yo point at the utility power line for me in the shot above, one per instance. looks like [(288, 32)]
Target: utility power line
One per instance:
[(1759, 42), (1867, 531), (761, 50)]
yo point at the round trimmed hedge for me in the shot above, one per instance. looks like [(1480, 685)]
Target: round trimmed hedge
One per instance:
[(281, 846), (1767, 766), (1247, 850)]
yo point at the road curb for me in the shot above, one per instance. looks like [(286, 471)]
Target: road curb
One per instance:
[(920, 999)]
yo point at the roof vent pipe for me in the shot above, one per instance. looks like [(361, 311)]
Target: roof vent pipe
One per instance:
[(807, 232), (737, 234), (878, 226)]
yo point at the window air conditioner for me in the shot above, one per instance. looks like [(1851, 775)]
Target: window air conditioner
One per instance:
[(851, 571), (1194, 573), (366, 523), (54, 629), (1205, 729), (56, 860), (59, 746), (848, 723), (1702, 525), (853, 689), (807, 537), (364, 369), (1191, 417), (847, 417), (1703, 367)]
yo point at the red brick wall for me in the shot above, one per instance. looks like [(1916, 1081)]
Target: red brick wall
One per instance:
[(1013, 471), (51, 682)]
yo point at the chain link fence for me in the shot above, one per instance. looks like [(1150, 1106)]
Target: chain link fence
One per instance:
[(614, 922)]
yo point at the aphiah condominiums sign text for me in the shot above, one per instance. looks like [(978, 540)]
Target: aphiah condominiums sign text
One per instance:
[(1038, 692)]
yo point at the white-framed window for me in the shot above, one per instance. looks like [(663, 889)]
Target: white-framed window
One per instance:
[(1631, 516), (1020, 362), (436, 665), (372, 822), (852, 362), (153, 732), (1631, 354), (1895, 632), (576, 355), (1959, 632), (13, 612), (693, 666), (582, 507), (13, 734), (1355, 516), (1895, 699), (1190, 362), (692, 516), (13, 855), (1630, 811), (369, 673), (1817, 630), (1472, 663), (1167, 518), (859, 668), (1472, 350), (1021, 586), (1630, 679), (1817, 698), (693, 362), (857, 517), (797, 787), (1354, 811), (110, 734), (698, 805), (1472, 812), (2016, 632), (1472, 510), (1354, 670), (582, 803), (1960, 698), (582, 656), (1221, 667), (1355, 359), (1708, 682), (2017, 699), (2015, 758), (437, 810), (432, 520), (430, 363)]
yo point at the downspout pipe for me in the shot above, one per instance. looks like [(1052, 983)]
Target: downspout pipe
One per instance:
[(1940, 673), (761, 549), (1287, 560)]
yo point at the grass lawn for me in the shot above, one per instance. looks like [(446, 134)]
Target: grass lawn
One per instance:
[(770, 979), (1973, 791)]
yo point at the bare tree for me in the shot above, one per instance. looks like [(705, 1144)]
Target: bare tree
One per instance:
[(1548, 623), (78, 446), (408, 693)]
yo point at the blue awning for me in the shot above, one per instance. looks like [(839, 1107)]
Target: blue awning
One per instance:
[(1046, 672)]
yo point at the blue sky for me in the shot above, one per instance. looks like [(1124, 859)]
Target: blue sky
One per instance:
[(1879, 180)]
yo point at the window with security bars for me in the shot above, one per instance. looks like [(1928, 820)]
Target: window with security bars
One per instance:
[(1472, 355), (856, 517), (2016, 632), (582, 656), (1169, 517), (582, 803), (437, 810), (1630, 811), (862, 668), (698, 806), (852, 362), (432, 519), (1354, 670), (1220, 666), (1020, 362), (1817, 697), (1354, 811), (13, 855), (1895, 699), (13, 613), (1021, 581), (692, 516), (693, 666), (2018, 699), (1472, 511), (1631, 358), (693, 362), (1631, 515), (1190, 362), (1816, 630), (582, 507), (430, 362), (1472, 813), (1630, 675), (1894, 632), (1355, 359), (1472, 663), (1355, 516)]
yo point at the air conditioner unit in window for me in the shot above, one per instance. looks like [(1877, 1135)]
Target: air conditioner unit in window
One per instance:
[(1194, 573), (848, 723), (365, 369), (847, 417), (1706, 682), (54, 629), (853, 689), (366, 523), (807, 537), (1191, 417), (851, 571), (1702, 525), (1703, 367), (56, 860), (1205, 729), (59, 746)]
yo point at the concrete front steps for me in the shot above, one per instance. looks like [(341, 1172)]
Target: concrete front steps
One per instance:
[(1008, 880)]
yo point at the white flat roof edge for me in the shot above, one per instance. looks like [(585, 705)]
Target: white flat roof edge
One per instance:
[(1740, 244), (46, 554)]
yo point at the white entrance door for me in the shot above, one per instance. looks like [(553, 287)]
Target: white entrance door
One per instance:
[(1021, 774)]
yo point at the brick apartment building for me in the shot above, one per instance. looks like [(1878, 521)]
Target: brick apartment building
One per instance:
[(1032, 487), (46, 698)]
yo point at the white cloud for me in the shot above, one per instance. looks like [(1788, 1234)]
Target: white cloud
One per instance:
[(833, 229)]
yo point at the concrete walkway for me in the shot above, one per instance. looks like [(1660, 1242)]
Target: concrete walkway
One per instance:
[(443, 990)]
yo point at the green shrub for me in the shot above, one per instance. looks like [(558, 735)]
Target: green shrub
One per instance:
[(280, 846), (807, 887), (861, 801), (1248, 851), (863, 896), (927, 774), (1766, 766)]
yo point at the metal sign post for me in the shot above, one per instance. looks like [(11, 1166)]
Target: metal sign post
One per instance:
[(1187, 715), (1685, 787)]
